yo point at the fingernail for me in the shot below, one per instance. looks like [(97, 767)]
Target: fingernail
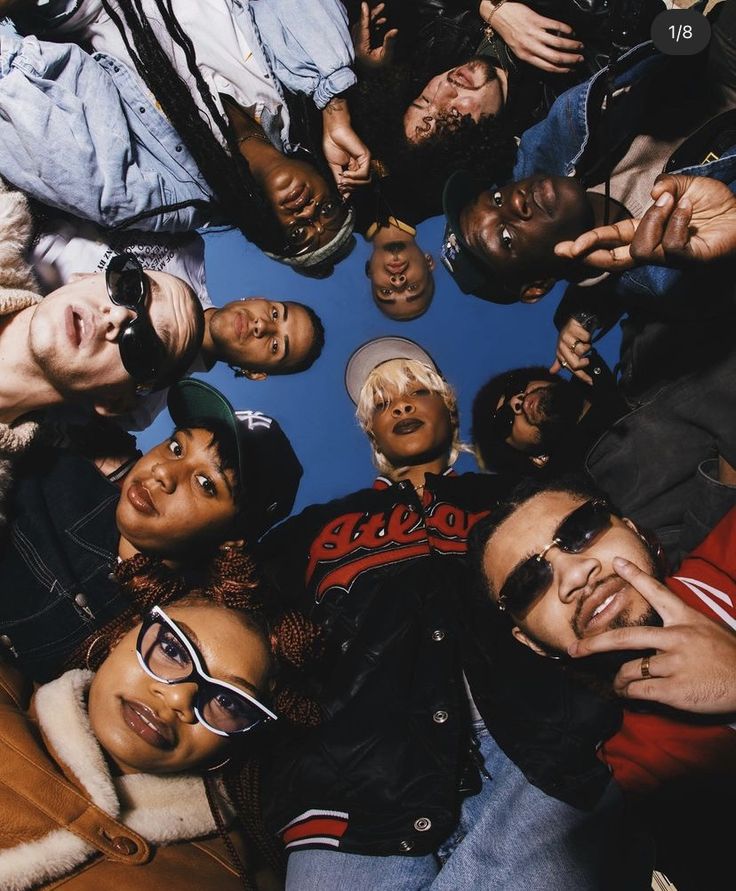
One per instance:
[(620, 563), (663, 199), (573, 648)]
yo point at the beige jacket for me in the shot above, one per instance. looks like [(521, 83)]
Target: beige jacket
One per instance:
[(66, 822), (17, 291)]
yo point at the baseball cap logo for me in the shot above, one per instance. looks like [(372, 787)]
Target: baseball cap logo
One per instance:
[(255, 419), (450, 249)]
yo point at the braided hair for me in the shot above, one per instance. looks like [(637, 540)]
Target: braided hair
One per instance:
[(240, 200), (234, 583)]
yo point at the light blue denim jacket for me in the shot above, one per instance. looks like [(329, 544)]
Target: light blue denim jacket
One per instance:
[(79, 133), (558, 145)]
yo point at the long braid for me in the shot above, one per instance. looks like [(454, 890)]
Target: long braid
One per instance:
[(243, 786), (144, 581), (237, 860), (228, 175)]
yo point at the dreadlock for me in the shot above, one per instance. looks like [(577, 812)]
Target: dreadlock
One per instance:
[(240, 200)]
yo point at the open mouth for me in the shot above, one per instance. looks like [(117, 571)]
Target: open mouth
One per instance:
[(403, 428), (460, 77), (143, 721), (78, 325), (602, 605)]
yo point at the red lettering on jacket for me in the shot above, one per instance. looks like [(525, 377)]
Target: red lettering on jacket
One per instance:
[(356, 542)]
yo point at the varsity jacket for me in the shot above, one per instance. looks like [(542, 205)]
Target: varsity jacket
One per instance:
[(385, 574), (379, 570)]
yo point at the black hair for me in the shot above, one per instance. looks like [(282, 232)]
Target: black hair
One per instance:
[(377, 106), (240, 200), (485, 432), (183, 363)]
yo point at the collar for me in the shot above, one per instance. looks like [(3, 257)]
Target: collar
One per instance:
[(383, 482), (162, 808)]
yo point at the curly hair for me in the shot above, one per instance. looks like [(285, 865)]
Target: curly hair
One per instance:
[(377, 106)]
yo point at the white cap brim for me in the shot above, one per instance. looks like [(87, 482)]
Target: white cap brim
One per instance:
[(376, 352)]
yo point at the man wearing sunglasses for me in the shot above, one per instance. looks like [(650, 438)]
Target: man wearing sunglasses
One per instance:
[(100, 340), (72, 346), (564, 574)]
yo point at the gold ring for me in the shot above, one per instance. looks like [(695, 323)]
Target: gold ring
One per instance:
[(644, 667), (564, 364), (575, 343)]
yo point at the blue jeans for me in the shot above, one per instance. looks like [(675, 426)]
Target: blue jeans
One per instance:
[(511, 836)]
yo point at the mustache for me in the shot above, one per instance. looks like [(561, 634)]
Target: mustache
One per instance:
[(560, 406), (394, 247)]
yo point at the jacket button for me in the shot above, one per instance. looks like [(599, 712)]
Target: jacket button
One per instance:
[(80, 600), (345, 646), (124, 845), (111, 577), (7, 642), (438, 634), (142, 109), (440, 716), (406, 846), (422, 824), (178, 148)]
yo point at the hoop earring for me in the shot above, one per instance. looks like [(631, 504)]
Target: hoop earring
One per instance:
[(217, 766), (90, 650)]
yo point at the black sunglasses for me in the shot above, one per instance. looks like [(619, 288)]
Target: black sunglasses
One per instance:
[(166, 654), (530, 579), (141, 350)]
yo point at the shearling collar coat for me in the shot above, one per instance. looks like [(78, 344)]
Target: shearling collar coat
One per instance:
[(18, 290), (65, 820)]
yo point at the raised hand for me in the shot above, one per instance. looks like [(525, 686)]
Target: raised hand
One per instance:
[(573, 343), (367, 55), (694, 667), (692, 220), (534, 39)]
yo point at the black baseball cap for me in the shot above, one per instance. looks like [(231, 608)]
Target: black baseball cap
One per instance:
[(269, 470), (472, 275)]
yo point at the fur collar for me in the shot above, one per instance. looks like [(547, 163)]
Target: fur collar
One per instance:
[(163, 809)]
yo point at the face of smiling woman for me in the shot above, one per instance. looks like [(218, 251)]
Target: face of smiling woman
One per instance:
[(177, 497), (148, 726)]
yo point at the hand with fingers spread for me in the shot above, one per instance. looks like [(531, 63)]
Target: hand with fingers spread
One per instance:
[(366, 54), (573, 345), (694, 666), (692, 220), (544, 43), (348, 156)]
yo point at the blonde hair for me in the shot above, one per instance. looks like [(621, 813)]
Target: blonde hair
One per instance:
[(398, 376)]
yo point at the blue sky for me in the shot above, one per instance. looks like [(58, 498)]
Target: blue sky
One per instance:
[(469, 339)]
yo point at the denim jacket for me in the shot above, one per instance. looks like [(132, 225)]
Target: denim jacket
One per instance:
[(57, 561), (79, 132), (569, 142)]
